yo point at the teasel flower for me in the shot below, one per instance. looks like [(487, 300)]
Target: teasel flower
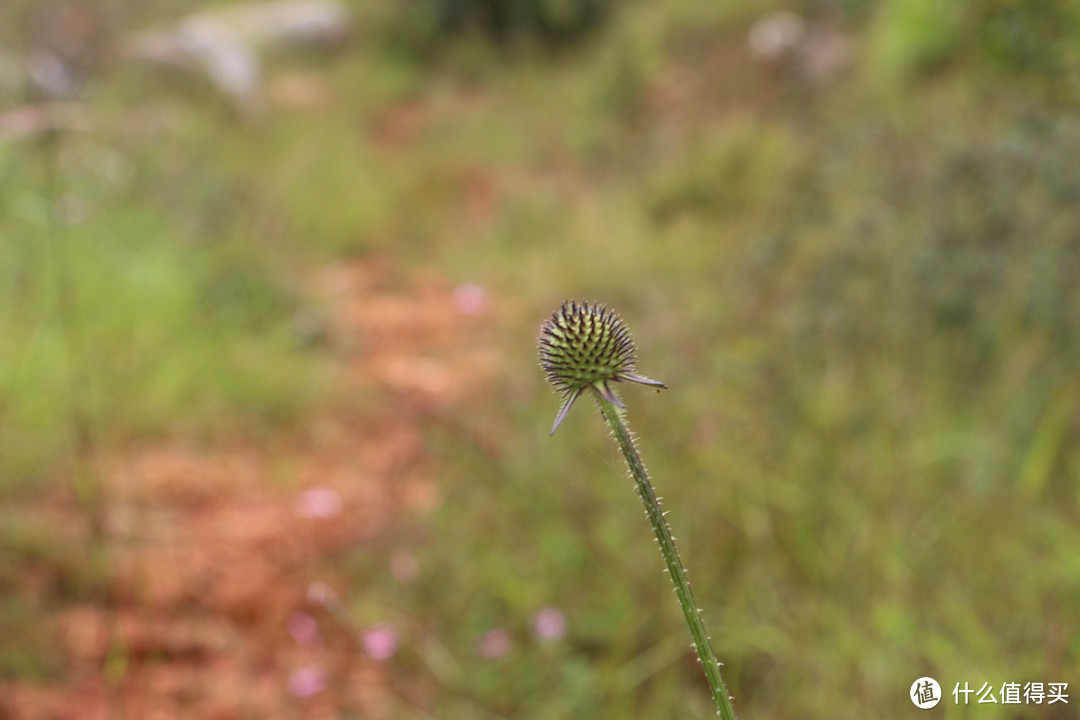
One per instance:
[(585, 346)]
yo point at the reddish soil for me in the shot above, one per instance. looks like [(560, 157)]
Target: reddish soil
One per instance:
[(212, 551)]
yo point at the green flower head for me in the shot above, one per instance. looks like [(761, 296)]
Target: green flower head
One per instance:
[(585, 346)]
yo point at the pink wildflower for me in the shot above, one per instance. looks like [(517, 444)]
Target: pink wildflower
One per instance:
[(380, 642), (494, 644), (470, 299), (303, 628), (320, 502), (549, 624), (307, 681)]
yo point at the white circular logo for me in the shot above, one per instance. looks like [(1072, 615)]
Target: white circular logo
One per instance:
[(925, 693)]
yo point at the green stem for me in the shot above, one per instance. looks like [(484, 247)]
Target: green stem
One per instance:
[(709, 663)]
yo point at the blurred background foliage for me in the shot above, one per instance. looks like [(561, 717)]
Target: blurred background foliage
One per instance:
[(845, 233)]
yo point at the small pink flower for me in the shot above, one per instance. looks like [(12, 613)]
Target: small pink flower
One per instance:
[(380, 642), (494, 644), (307, 681), (303, 628), (404, 566), (320, 502), (470, 299), (549, 624)]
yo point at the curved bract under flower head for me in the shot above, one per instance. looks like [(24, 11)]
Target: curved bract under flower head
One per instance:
[(585, 345)]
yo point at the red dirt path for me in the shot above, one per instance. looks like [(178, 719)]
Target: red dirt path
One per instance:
[(209, 553)]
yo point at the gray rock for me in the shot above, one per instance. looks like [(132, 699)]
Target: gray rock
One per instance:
[(226, 46)]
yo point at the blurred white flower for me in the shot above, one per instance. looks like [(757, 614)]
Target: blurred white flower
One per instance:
[(321, 594), (776, 34)]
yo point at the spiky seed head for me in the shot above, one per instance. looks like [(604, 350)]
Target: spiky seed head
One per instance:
[(587, 346), (584, 344)]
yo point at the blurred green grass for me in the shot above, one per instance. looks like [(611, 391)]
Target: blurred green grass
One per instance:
[(861, 291)]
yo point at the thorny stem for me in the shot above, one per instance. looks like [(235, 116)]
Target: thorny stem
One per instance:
[(702, 646)]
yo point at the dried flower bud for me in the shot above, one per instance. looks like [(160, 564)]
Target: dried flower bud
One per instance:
[(585, 345)]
